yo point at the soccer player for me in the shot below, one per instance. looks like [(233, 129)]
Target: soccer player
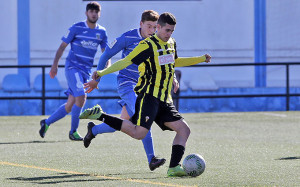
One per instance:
[(84, 37), (157, 58), (127, 79)]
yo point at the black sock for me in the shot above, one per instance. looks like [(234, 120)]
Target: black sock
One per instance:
[(177, 153), (112, 121)]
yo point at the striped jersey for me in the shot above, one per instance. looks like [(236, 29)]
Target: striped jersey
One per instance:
[(156, 61), (84, 43), (125, 43)]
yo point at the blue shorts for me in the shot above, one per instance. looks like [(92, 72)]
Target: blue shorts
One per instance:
[(127, 94), (75, 79)]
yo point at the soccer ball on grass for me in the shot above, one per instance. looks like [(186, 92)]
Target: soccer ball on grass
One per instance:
[(194, 165)]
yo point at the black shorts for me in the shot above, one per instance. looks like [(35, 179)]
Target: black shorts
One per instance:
[(148, 109)]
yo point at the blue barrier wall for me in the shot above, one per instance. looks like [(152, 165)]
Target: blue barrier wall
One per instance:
[(34, 107)]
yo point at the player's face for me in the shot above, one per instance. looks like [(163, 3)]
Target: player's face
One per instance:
[(92, 15), (148, 28), (165, 32)]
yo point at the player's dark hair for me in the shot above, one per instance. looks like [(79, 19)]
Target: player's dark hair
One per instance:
[(166, 18), (149, 15), (93, 6)]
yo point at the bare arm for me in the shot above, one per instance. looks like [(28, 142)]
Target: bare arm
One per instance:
[(58, 55)]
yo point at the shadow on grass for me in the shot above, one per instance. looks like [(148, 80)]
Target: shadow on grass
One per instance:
[(30, 142), (146, 178), (62, 178), (289, 158)]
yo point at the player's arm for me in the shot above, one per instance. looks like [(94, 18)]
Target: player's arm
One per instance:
[(104, 62), (117, 66), (189, 61), (58, 55), (111, 50), (108, 62), (139, 54), (65, 41)]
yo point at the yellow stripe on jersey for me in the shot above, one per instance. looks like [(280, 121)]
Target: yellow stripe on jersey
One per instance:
[(156, 60), (140, 112)]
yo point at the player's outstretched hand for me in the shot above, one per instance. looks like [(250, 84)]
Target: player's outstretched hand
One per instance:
[(53, 72), (208, 58), (90, 86)]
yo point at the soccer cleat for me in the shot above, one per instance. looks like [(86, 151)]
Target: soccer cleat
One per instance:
[(176, 172), (92, 113), (44, 128), (75, 136), (89, 135), (156, 162)]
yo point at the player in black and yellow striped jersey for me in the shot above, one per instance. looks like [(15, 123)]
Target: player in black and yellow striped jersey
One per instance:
[(157, 58)]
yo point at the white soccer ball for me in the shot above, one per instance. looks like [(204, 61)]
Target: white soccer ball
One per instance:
[(194, 165)]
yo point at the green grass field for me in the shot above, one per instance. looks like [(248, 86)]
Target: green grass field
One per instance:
[(240, 149)]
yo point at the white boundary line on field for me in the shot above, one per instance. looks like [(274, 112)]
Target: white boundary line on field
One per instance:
[(274, 114), (98, 176)]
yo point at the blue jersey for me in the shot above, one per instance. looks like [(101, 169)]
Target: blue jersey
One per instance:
[(84, 43), (126, 42)]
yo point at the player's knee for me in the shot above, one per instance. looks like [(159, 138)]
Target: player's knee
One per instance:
[(80, 101), (140, 133), (139, 136), (185, 130), (188, 131)]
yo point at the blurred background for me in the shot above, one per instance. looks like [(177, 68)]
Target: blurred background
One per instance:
[(231, 31)]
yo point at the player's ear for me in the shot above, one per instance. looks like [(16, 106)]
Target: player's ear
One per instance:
[(158, 26), (141, 24)]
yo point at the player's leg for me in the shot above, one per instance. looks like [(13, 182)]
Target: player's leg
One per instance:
[(182, 133), (76, 79), (127, 96), (143, 118), (61, 112), (93, 130), (125, 90), (76, 110), (170, 119), (130, 99), (104, 128)]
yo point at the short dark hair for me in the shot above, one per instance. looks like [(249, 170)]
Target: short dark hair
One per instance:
[(93, 6), (149, 15), (166, 18)]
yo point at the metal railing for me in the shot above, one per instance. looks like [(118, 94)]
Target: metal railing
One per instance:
[(287, 94)]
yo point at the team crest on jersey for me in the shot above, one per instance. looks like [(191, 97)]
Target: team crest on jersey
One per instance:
[(98, 36), (166, 59), (147, 118), (172, 45), (112, 43)]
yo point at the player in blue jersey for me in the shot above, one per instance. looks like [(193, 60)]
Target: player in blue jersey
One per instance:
[(84, 38), (127, 79)]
